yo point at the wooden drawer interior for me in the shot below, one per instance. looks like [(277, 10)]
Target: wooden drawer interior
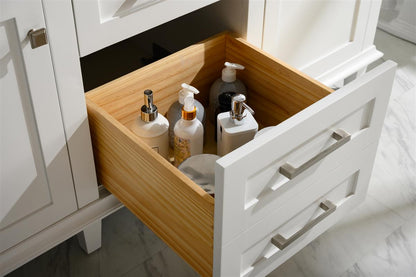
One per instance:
[(168, 202)]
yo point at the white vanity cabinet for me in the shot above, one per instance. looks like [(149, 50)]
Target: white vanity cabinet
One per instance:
[(275, 194), (101, 23)]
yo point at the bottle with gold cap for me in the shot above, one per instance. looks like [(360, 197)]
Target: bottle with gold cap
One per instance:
[(152, 127), (175, 110), (189, 133)]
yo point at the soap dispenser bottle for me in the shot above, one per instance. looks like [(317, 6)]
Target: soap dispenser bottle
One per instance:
[(236, 127), (228, 83), (175, 110), (189, 133), (152, 127)]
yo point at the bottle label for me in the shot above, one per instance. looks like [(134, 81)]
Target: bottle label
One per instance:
[(181, 150)]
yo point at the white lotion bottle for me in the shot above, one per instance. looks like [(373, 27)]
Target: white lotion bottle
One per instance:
[(175, 110), (227, 84), (236, 127), (189, 133), (152, 127)]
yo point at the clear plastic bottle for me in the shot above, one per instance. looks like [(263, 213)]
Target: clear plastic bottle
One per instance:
[(152, 127), (189, 133), (229, 84), (175, 110)]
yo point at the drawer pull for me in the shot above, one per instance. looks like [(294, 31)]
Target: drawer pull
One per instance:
[(280, 242), (290, 172)]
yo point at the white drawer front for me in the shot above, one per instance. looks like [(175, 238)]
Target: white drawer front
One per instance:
[(249, 183), (273, 184), (101, 23), (299, 220)]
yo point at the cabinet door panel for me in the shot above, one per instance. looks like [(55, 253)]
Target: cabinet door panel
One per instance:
[(36, 186), (318, 36), (23, 166)]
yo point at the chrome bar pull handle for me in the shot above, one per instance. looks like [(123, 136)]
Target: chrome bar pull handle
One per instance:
[(280, 242), (290, 172)]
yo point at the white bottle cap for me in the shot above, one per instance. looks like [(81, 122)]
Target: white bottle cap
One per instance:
[(186, 91), (229, 73)]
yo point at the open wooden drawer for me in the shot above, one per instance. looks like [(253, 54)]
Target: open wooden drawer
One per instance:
[(316, 132)]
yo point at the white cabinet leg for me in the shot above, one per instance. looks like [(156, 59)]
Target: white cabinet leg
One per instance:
[(90, 238)]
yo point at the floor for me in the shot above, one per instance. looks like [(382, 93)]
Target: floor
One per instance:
[(376, 239)]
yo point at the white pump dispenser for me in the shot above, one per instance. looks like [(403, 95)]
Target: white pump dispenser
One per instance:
[(229, 72), (185, 91), (189, 133), (152, 127), (235, 127), (175, 110), (188, 103), (223, 89)]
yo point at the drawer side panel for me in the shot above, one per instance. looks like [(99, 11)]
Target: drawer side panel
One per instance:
[(276, 90), (170, 204)]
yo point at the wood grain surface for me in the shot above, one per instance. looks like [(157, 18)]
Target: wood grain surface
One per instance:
[(276, 90), (170, 204)]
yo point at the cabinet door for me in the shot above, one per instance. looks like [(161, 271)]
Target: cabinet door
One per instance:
[(101, 23), (36, 187), (318, 36)]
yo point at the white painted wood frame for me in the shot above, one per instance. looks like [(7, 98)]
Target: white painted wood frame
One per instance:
[(36, 188), (102, 23), (59, 232), (328, 40), (66, 63), (250, 191)]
